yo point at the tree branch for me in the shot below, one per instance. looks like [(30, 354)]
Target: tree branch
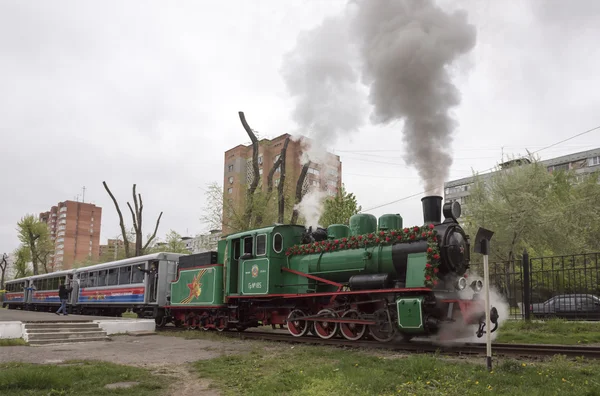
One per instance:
[(154, 234), (299, 184), (255, 170), (280, 192), (125, 240)]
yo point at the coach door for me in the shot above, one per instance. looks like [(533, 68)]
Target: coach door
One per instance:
[(152, 285)]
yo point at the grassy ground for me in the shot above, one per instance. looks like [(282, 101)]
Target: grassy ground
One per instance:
[(305, 370), (77, 378), (13, 342), (549, 332)]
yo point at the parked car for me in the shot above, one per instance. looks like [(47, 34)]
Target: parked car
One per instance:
[(569, 306)]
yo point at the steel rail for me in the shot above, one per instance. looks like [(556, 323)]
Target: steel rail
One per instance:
[(525, 350), (414, 346)]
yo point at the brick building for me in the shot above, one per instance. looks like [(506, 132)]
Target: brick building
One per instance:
[(238, 170), (75, 231)]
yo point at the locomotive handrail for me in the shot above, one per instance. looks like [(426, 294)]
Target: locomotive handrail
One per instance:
[(318, 279)]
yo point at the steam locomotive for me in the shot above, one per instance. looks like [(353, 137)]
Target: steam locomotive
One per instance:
[(371, 278)]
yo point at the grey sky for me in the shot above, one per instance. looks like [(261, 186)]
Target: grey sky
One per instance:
[(148, 93)]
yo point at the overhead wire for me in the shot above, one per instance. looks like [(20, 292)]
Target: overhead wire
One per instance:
[(485, 171)]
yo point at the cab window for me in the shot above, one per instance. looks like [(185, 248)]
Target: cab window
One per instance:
[(261, 245), (277, 243), (248, 245)]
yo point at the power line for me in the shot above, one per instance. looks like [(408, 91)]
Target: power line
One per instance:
[(424, 192)]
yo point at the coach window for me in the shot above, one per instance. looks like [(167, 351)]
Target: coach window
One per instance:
[(277, 243), (248, 245), (55, 284), (261, 245), (102, 278), (125, 275), (92, 280), (83, 279), (138, 276), (111, 280)]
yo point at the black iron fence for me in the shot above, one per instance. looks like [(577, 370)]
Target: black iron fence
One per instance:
[(547, 287)]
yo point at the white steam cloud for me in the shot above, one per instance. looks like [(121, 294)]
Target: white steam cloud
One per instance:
[(459, 333)]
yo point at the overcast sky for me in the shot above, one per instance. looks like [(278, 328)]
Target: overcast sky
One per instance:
[(148, 93)]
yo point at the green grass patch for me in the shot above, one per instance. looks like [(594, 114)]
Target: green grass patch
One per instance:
[(307, 370), (130, 315), (555, 331), (13, 342), (76, 378)]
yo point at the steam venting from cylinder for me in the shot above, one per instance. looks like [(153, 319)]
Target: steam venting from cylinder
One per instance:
[(432, 209)]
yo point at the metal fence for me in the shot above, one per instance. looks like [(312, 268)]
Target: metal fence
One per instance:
[(564, 287)]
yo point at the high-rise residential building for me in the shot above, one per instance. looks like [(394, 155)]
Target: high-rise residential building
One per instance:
[(238, 171), (75, 232), (581, 163)]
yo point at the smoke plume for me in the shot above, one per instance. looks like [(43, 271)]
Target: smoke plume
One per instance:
[(402, 52), (319, 74), (407, 48)]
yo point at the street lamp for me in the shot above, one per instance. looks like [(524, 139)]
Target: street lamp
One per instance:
[(482, 246)]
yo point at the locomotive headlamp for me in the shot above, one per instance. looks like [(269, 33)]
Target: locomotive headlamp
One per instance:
[(477, 285), (452, 210), (461, 284)]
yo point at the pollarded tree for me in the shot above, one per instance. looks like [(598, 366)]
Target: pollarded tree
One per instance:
[(339, 209), (136, 215)]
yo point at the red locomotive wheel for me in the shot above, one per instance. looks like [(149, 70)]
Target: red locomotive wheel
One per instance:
[(325, 329), (296, 326), (352, 331)]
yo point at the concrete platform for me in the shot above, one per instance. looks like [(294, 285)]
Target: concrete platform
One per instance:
[(19, 324)]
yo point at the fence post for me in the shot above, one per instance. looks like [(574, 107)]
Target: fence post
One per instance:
[(526, 285)]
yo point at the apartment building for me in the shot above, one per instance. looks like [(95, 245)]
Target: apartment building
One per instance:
[(581, 163), (238, 172), (75, 231), (203, 242)]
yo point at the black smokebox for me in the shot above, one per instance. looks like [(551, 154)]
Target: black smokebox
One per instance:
[(432, 209)]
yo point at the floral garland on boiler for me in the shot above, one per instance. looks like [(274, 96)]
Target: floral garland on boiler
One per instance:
[(381, 238)]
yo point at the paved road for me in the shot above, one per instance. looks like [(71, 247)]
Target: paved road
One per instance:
[(138, 351)]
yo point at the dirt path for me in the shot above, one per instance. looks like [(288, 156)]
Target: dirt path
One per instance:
[(162, 355)]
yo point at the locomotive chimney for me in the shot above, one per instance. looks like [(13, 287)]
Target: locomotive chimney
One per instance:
[(432, 209)]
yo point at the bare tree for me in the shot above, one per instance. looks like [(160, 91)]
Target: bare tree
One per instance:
[(255, 170), (136, 216), (280, 163), (3, 267), (299, 194)]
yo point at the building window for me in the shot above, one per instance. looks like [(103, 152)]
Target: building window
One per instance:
[(230, 168), (276, 182), (260, 171), (313, 171), (594, 161), (276, 158), (278, 169), (333, 172), (63, 209), (260, 160), (230, 179), (230, 190), (316, 183)]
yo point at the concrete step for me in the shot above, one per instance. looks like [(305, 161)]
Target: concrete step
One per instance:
[(66, 335), (62, 330), (61, 325), (65, 341)]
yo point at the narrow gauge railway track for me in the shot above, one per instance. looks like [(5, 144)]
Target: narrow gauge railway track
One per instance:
[(521, 350)]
